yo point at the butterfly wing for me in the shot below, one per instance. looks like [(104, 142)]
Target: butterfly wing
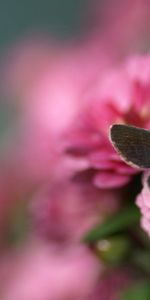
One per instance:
[(132, 143)]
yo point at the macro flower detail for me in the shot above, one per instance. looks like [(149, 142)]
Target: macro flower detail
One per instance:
[(69, 226), (120, 96)]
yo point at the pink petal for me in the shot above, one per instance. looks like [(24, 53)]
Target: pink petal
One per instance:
[(126, 170), (110, 180)]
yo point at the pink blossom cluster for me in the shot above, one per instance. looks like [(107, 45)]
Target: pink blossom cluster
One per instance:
[(121, 96), (61, 160)]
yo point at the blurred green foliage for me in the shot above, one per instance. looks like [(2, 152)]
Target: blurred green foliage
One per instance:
[(113, 250), (115, 224), (140, 291), (9, 124), (63, 18)]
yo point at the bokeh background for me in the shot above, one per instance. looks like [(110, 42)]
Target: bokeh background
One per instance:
[(63, 19), (70, 228)]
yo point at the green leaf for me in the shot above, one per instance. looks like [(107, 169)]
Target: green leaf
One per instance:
[(141, 259), (113, 250), (114, 224), (140, 291)]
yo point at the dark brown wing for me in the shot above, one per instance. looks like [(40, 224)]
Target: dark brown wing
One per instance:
[(132, 143)]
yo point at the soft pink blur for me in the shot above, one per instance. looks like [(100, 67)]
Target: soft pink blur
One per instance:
[(40, 271), (123, 26), (65, 211)]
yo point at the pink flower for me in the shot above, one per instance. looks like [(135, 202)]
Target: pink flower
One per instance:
[(120, 96), (65, 211), (46, 272), (48, 78), (143, 202)]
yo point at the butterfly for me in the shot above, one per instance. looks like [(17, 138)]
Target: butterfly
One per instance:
[(132, 143)]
